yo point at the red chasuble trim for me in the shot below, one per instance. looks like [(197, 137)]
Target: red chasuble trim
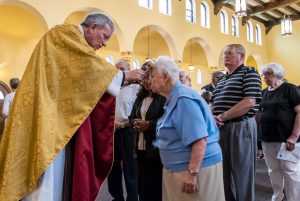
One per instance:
[(93, 151)]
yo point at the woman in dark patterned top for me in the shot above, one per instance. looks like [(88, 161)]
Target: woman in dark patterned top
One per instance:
[(147, 109), (280, 123)]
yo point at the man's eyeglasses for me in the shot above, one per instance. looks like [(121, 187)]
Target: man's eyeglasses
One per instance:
[(230, 53), (219, 78), (267, 74)]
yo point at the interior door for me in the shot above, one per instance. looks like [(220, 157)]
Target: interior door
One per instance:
[(4, 89)]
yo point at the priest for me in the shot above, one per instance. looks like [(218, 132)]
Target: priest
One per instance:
[(62, 117)]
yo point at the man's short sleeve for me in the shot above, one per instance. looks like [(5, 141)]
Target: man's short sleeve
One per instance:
[(252, 84), (294, 95)]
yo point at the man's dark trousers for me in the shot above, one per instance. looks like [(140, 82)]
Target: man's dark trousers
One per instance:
[(124, 151)]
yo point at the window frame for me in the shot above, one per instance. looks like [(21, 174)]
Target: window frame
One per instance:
[(235, 26), (249, 28), (192, 11), (168, 8), (258, 38), (110, 59), (199, 76), (204, 16), (135, 64), (224, 22), (148, 2)]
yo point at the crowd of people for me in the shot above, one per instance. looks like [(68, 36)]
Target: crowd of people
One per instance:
[(75, 122)]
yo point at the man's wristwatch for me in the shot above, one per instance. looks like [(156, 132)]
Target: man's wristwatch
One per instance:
[(193, 173)]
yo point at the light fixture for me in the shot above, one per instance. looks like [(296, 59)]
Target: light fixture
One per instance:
[(148, 58), (191, 66), (286, 26), (240, 8), (126, 55)]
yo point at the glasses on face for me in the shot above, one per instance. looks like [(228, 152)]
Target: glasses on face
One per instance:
[(267, 74), (219, 78), (230, 53)]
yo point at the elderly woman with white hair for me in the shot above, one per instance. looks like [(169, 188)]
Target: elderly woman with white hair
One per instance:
[(187, 137), (183, 76), (279, 119)]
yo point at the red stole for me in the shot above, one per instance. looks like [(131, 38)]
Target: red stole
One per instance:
[(93, 151)]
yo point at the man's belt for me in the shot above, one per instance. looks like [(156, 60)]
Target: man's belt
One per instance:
[(238, 119)]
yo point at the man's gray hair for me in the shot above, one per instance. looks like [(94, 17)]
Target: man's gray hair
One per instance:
[(165, 64), (181, 71), (239, 48), (123, 65), (98, 18), (217, 73), (276, 68)]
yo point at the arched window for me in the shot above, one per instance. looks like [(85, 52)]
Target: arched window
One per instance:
[(110, 59), (165, 7), (224, 22), (1, 95), (199, 77), (249, 31), (205, 19), (235, 26), (258, 35), (135, 64), (146, 3), (190, 10)]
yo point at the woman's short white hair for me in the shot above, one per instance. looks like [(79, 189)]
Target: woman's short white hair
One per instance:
[(165, 64), (276, 68)]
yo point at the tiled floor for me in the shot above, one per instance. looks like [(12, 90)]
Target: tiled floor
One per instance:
[(263, 185)]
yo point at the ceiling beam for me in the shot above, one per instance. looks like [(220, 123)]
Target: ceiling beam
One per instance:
[(292, 10), (229, 6), (217, 6), (246, 18), (273, 5), (260, 2), (249, 8), (270, 24), (258, 19), (269, 17), (278, 12)]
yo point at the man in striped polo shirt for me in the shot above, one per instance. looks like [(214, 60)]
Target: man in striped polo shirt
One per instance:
[(234, 103)]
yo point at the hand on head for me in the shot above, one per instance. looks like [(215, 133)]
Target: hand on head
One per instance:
[(134, 76)]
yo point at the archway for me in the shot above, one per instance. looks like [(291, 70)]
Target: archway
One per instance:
[(153, 41), (21, 28), (255, 61), (251, 62), (197, 52)]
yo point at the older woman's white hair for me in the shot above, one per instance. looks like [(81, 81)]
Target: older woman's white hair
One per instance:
[(165, 64), (276, 68), (181, 71)]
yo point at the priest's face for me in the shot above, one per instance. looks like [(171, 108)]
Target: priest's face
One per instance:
[(97, 37)]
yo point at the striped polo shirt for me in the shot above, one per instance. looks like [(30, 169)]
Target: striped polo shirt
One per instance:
[(244, 82)]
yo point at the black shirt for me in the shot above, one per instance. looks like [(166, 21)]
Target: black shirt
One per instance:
[(244, 82), (209, 87), (276, 111)]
